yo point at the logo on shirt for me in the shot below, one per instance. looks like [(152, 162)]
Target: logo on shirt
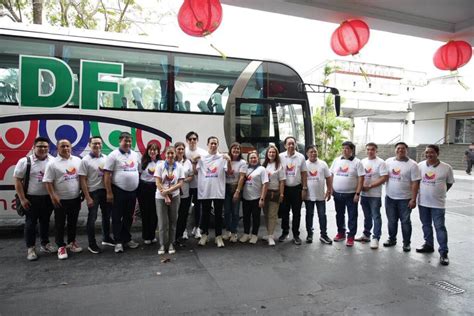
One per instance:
[(344, 169), (129, 165), (429, 178), (313, 173), (211, 171), (368, 170), (169, 177), (151, 171), (290, 169), (269, 173), (396, 171), (70, 174), (40, 176)]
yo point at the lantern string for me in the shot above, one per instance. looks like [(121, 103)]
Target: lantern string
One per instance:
[(458, 79), (221, 53), (364, 74)]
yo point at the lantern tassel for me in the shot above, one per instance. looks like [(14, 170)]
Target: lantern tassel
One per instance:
[(364, 74), (462, 84), (223, 55)]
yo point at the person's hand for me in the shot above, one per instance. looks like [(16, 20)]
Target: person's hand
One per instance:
[(110, 197), (56, 201), (327, 197), (365, 188), (282, 197), (236, 196), (356, 198), (304, 194), (261, 203), (89, 201), (412, 203), (25, 203), (226, 157)]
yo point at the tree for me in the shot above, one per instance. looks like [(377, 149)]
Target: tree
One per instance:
[(329, 129)]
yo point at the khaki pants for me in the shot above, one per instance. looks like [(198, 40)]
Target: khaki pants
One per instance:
[(271, 215)]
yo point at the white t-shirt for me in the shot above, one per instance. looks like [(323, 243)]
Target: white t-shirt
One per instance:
[(254, 181), (433, 184), (237, 168), (188, 170), (35, 185), (211, 177), (170, 175), (93, 168), (191, 154), (124, 168), (400, 176), (275, 176), (318, 171), (346, 174), (148, 175), (293, 165), (63, 173), (374, 169)]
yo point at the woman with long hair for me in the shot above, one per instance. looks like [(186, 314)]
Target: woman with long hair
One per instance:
[(276, 187), (185, 200)]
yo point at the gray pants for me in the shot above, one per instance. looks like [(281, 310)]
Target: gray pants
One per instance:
[(167, 218)]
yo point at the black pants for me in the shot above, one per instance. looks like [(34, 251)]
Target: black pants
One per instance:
[(206, 214), (469, 165), (183, 213), (197, 206), (40, 210), (68, 212), (100, 199), (122, 214), (291, 201), (146, 200), (251, 216)]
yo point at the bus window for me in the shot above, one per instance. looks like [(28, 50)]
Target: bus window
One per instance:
[(144, 84), (291, 122), (206, 81)]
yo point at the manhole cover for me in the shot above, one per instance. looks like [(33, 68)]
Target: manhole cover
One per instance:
[(448, 287)]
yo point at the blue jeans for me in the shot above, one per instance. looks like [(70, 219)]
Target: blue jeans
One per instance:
[(398, 209), (371, 207), (321, 207), (429, 215), (99, 197), (231, 210), (341, 201)]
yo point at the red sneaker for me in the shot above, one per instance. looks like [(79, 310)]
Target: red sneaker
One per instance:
[(340, 237), (350, 241)]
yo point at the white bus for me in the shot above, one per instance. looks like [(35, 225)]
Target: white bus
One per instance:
[(59, 84)]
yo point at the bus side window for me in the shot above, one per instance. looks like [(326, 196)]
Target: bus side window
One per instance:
[(137, 97), (202, 105), (216, 99), (178, 102)]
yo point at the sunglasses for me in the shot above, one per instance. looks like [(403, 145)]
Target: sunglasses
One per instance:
[(192, 138)]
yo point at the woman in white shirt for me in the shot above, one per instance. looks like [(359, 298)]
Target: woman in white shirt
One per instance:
[(169, 179), (255, 190), (185, 200), (146, 193)]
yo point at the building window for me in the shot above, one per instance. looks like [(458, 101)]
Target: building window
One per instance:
[(464, 131)]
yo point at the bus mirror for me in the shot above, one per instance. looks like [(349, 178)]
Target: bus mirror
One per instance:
[(337, 104)]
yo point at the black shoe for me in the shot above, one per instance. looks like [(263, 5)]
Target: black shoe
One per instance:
[(93, 248), (406, 247), (425, 249), (444, 260), (297, 240), (283, 237), (325, 239), (309, 239), (390, 243)]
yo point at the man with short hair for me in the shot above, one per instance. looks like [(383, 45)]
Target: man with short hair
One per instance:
[(91, 174), (121, 179), (347, 180), (36, 200), (192, 151), (401, 192), (376, 174), (437, 179), (62, 183), (296, 189)]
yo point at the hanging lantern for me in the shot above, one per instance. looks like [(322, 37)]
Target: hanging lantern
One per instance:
[(452, 55), (350, 37), (200, 17)]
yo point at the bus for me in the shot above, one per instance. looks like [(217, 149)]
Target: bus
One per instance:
[(63, 83)]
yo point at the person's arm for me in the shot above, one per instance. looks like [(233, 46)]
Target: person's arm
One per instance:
[(376, 183), (195, 161), (360, 184), (85, 190), (263, 194), (415, 186), (108, 186), (328, 188), (304, 183), (240, 185), (21, 193), (52, 193), (282, 190)]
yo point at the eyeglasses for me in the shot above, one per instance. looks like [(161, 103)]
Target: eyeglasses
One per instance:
[(192, 138), (42, 146)]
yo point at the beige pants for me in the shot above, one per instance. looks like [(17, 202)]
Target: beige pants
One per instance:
[(271, 215)]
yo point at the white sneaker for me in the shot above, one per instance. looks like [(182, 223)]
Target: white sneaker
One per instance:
[(227, 235), (31, 254), (374, 243), (74, 247), (234, 238), (271, 241), (198, 235), (171, 250), (219, 242), (244, 238), (185, 234), (161, 251), (265, 238), (253, 239), (132, 244), (62, 253), (118, 248), (48, 248), (193, 232), (147, 242), (203, 240)]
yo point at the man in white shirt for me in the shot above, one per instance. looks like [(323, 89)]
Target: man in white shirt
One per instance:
[(436, 179), (376, 174), (401, 191), (192, 151), (36, 201), (91, 175), (347, 181), (296, 189), (121, 182), (62, 182)]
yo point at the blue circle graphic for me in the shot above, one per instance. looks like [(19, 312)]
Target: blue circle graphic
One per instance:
[(66, 131)]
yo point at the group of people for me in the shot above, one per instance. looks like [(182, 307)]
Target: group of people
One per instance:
[(220, 184)]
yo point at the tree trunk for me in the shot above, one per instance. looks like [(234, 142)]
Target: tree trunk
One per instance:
[(37, 11)]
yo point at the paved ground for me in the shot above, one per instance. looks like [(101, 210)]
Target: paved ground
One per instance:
[(241, 279)]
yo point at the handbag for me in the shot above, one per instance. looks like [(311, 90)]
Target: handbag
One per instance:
[(19, 208)]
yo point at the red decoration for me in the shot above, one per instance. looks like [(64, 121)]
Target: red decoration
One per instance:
[(200, 17), (452, 55), (350, 37)]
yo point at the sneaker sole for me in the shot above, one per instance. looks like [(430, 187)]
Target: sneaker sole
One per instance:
[(108, 244), (92, 250)]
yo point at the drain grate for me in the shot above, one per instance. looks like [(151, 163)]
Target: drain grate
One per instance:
[(448, 287)]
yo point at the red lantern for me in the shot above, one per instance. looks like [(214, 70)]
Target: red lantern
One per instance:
[(452, 55), (350, 37), (200, 17)]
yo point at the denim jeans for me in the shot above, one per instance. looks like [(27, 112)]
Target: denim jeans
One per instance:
[(231, 210), (40, 210), (122, 214), (341, 201), (429, 215), (398, 209), (67, 213), (321, 208), (100, 199), (371, 207), (291, 201)]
